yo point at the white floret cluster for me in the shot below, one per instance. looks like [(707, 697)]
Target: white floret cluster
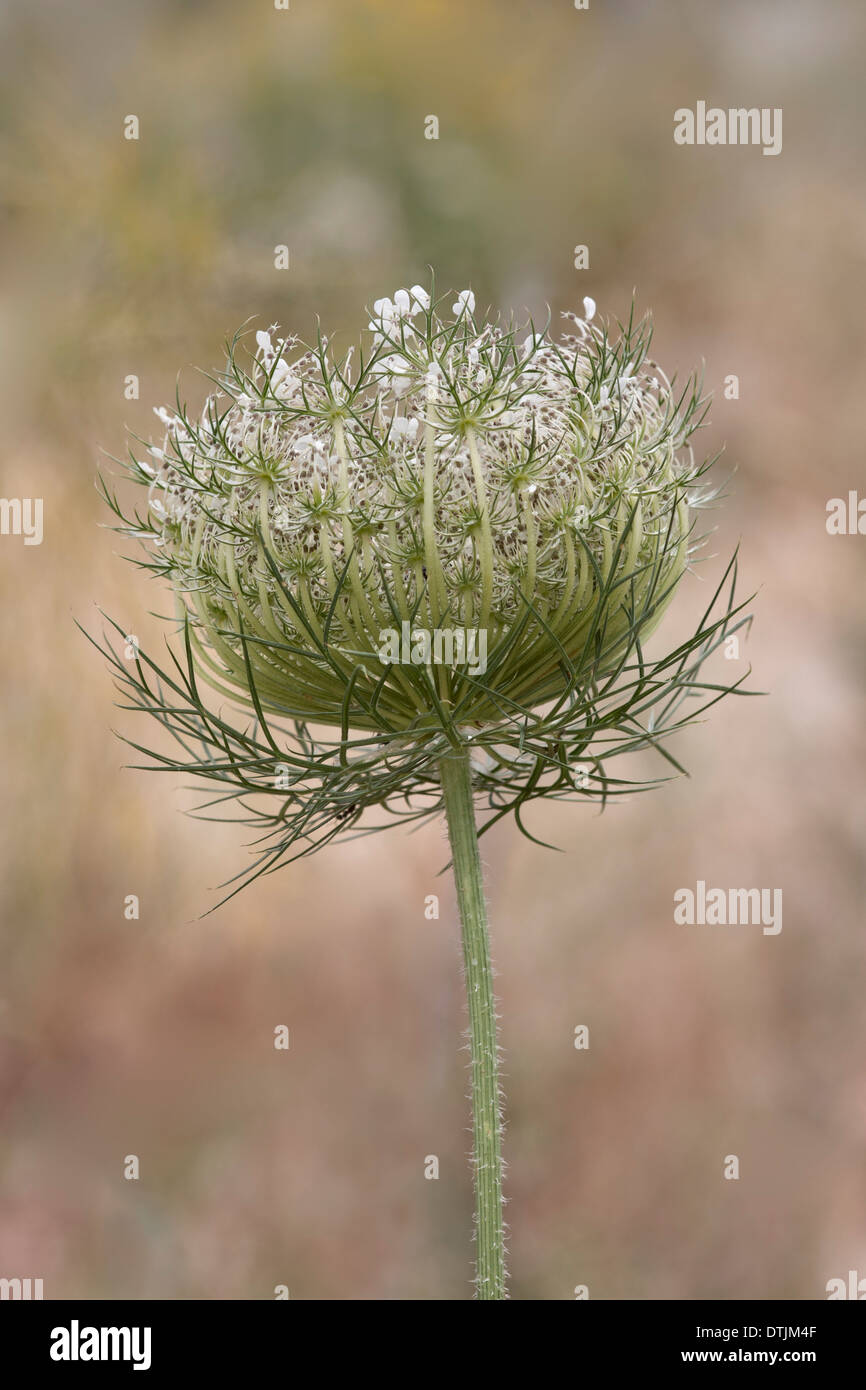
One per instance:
[(456, 469)]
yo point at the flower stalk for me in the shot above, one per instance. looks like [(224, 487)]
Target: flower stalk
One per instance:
[(483, 1042)]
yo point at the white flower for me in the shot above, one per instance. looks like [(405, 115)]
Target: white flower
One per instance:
[(431, 381), (263, 341), (283, 381), (588, 308), (309, 446), (402, 303), (170, 421), (384, 314), (390, 311), (465, 303), (532, 343), (420, 297), (401, 428), (397, 365), (399, 369)]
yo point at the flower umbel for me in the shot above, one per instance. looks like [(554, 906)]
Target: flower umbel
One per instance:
[(461, 474)]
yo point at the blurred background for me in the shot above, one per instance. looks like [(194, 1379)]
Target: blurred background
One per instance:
[(154, 1036)]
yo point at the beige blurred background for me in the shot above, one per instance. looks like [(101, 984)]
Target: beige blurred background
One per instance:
[(155, 1037)]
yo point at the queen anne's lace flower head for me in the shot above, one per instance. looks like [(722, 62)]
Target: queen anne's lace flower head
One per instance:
[(454, 477), (461, 473)]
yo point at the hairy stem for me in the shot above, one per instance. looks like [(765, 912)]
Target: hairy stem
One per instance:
[(486, 1118)]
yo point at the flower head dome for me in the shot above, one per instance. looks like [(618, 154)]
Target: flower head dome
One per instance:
[(461, 475)]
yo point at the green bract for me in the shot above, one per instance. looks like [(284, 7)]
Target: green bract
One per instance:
[(456, 476)]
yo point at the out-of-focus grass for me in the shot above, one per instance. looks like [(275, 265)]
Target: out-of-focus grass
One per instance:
[(155, 1037)]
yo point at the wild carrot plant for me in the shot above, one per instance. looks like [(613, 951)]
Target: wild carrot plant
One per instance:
[(417, 579)]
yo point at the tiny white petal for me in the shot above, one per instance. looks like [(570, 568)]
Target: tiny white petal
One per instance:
[(465, 302), (401, 428), (420, 297)]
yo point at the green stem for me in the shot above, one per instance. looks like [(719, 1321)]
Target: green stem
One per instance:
[(486, 1118)]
